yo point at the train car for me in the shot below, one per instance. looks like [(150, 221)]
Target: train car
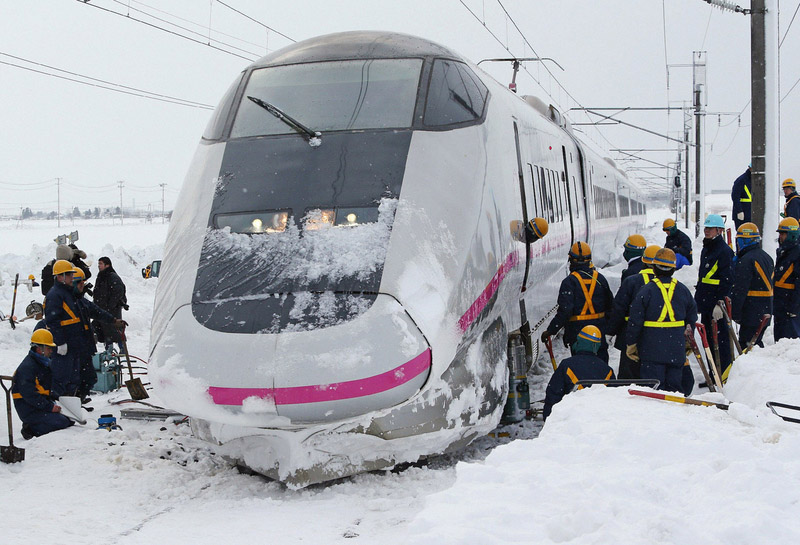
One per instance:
[(342, 280)]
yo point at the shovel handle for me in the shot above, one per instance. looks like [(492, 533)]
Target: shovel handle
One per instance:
[(549, 344)]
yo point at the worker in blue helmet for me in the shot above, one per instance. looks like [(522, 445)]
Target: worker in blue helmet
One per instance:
[(742, 198), (583, 365), (714, 282)]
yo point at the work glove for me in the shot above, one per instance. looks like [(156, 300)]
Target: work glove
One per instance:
[(62, 349), (633, 352), (125, 306), (546, 335), (717, 313), (56, 408), (120, 323), (740, 216), (688, 348), (790, 315)]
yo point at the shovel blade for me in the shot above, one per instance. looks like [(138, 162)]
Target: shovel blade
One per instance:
[(136, 389), (12, 455)]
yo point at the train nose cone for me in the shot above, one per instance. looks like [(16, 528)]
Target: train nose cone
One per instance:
[(373, 362)]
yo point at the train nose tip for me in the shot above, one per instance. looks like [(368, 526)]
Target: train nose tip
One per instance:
[(373, 362)]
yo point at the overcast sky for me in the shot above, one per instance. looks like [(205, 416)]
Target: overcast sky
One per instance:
[(612, 51)]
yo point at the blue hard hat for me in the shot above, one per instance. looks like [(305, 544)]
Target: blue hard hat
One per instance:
[(714, 220)]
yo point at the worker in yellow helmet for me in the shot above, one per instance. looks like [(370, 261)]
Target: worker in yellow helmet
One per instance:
[(31, 389), (582, 365), (679, 242), (621, 308), (792, 207), (786, 300), (662, 314), (584, 298), (632, 252)]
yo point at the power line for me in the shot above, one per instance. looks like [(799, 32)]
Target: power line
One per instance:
[(166, 97), (256, 21), (123, 91), (168, 31), (790, 26)]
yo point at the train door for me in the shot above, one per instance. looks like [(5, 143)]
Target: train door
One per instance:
[(580, 190), (571, 209), (524, 203)]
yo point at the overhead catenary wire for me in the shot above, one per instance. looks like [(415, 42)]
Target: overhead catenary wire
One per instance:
[(256, 21), (252, 57)]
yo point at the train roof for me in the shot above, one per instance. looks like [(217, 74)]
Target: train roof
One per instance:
[(358, 44)]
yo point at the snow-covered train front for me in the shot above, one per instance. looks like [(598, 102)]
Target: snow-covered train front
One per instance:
[(340, 279)]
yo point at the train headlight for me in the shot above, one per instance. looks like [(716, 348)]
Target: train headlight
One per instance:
[(319, 219), (267, 221), (257, 224), (351, 218)]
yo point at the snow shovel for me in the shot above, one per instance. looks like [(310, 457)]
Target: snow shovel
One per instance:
[(549, 345), (773, 404), (134, 385), (14, 303), (715, 342), (711, 363), (699, 358), (10, 454), (71, 408), (751, 343), (726, 312), (678, 399)]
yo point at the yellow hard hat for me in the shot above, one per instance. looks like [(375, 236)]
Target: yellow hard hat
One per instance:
[(665, 258), (649, 253), (42, 336), (78, 275), (591, 333), (789, 182), (62, 266), (539, 226), (580, 251), (788, 224), (669, 223), (748, 230), (635, 242)]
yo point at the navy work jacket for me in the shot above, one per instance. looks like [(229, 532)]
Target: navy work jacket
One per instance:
[(62, 317), (792, 207), (635, 265), (657, 332), (31, 386), (581, 366), (787, 275), (715, 274), (680, 243), (574, 313), (88, 310), (618, 323), (742, 197), (751, 296)]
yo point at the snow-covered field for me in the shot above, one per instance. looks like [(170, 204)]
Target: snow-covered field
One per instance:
[(607, 468)]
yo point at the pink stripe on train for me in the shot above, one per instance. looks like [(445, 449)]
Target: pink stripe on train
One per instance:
[(328, 392)]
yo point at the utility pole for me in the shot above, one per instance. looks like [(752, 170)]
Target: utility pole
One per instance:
[(121, 209), (700, 100), (765, 111), (162, 202), (687, 130), (58, 208)]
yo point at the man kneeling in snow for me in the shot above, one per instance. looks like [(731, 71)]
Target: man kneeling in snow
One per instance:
[(584, 365), (31, 389)]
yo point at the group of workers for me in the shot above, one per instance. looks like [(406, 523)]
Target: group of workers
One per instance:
[(59, 362), (653, 315)]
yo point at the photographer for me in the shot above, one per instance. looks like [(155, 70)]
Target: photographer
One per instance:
[(109, 294)]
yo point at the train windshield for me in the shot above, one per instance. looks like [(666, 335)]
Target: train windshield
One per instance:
[(331, 96)]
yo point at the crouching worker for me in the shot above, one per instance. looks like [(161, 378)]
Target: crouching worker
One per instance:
[(31, 389), (661, 313), (583, 365)]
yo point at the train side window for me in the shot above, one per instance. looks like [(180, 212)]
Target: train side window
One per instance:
[(576, 208), (554, 193), (455, 95), (543, 193)]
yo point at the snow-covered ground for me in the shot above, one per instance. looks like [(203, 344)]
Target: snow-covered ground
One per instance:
[(606, 468)]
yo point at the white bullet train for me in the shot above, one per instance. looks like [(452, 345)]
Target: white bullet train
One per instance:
[(340, 283)]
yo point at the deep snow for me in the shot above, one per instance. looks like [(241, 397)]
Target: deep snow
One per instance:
[(606, 468)]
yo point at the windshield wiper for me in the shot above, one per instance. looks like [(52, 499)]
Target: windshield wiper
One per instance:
[(314, 137)]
